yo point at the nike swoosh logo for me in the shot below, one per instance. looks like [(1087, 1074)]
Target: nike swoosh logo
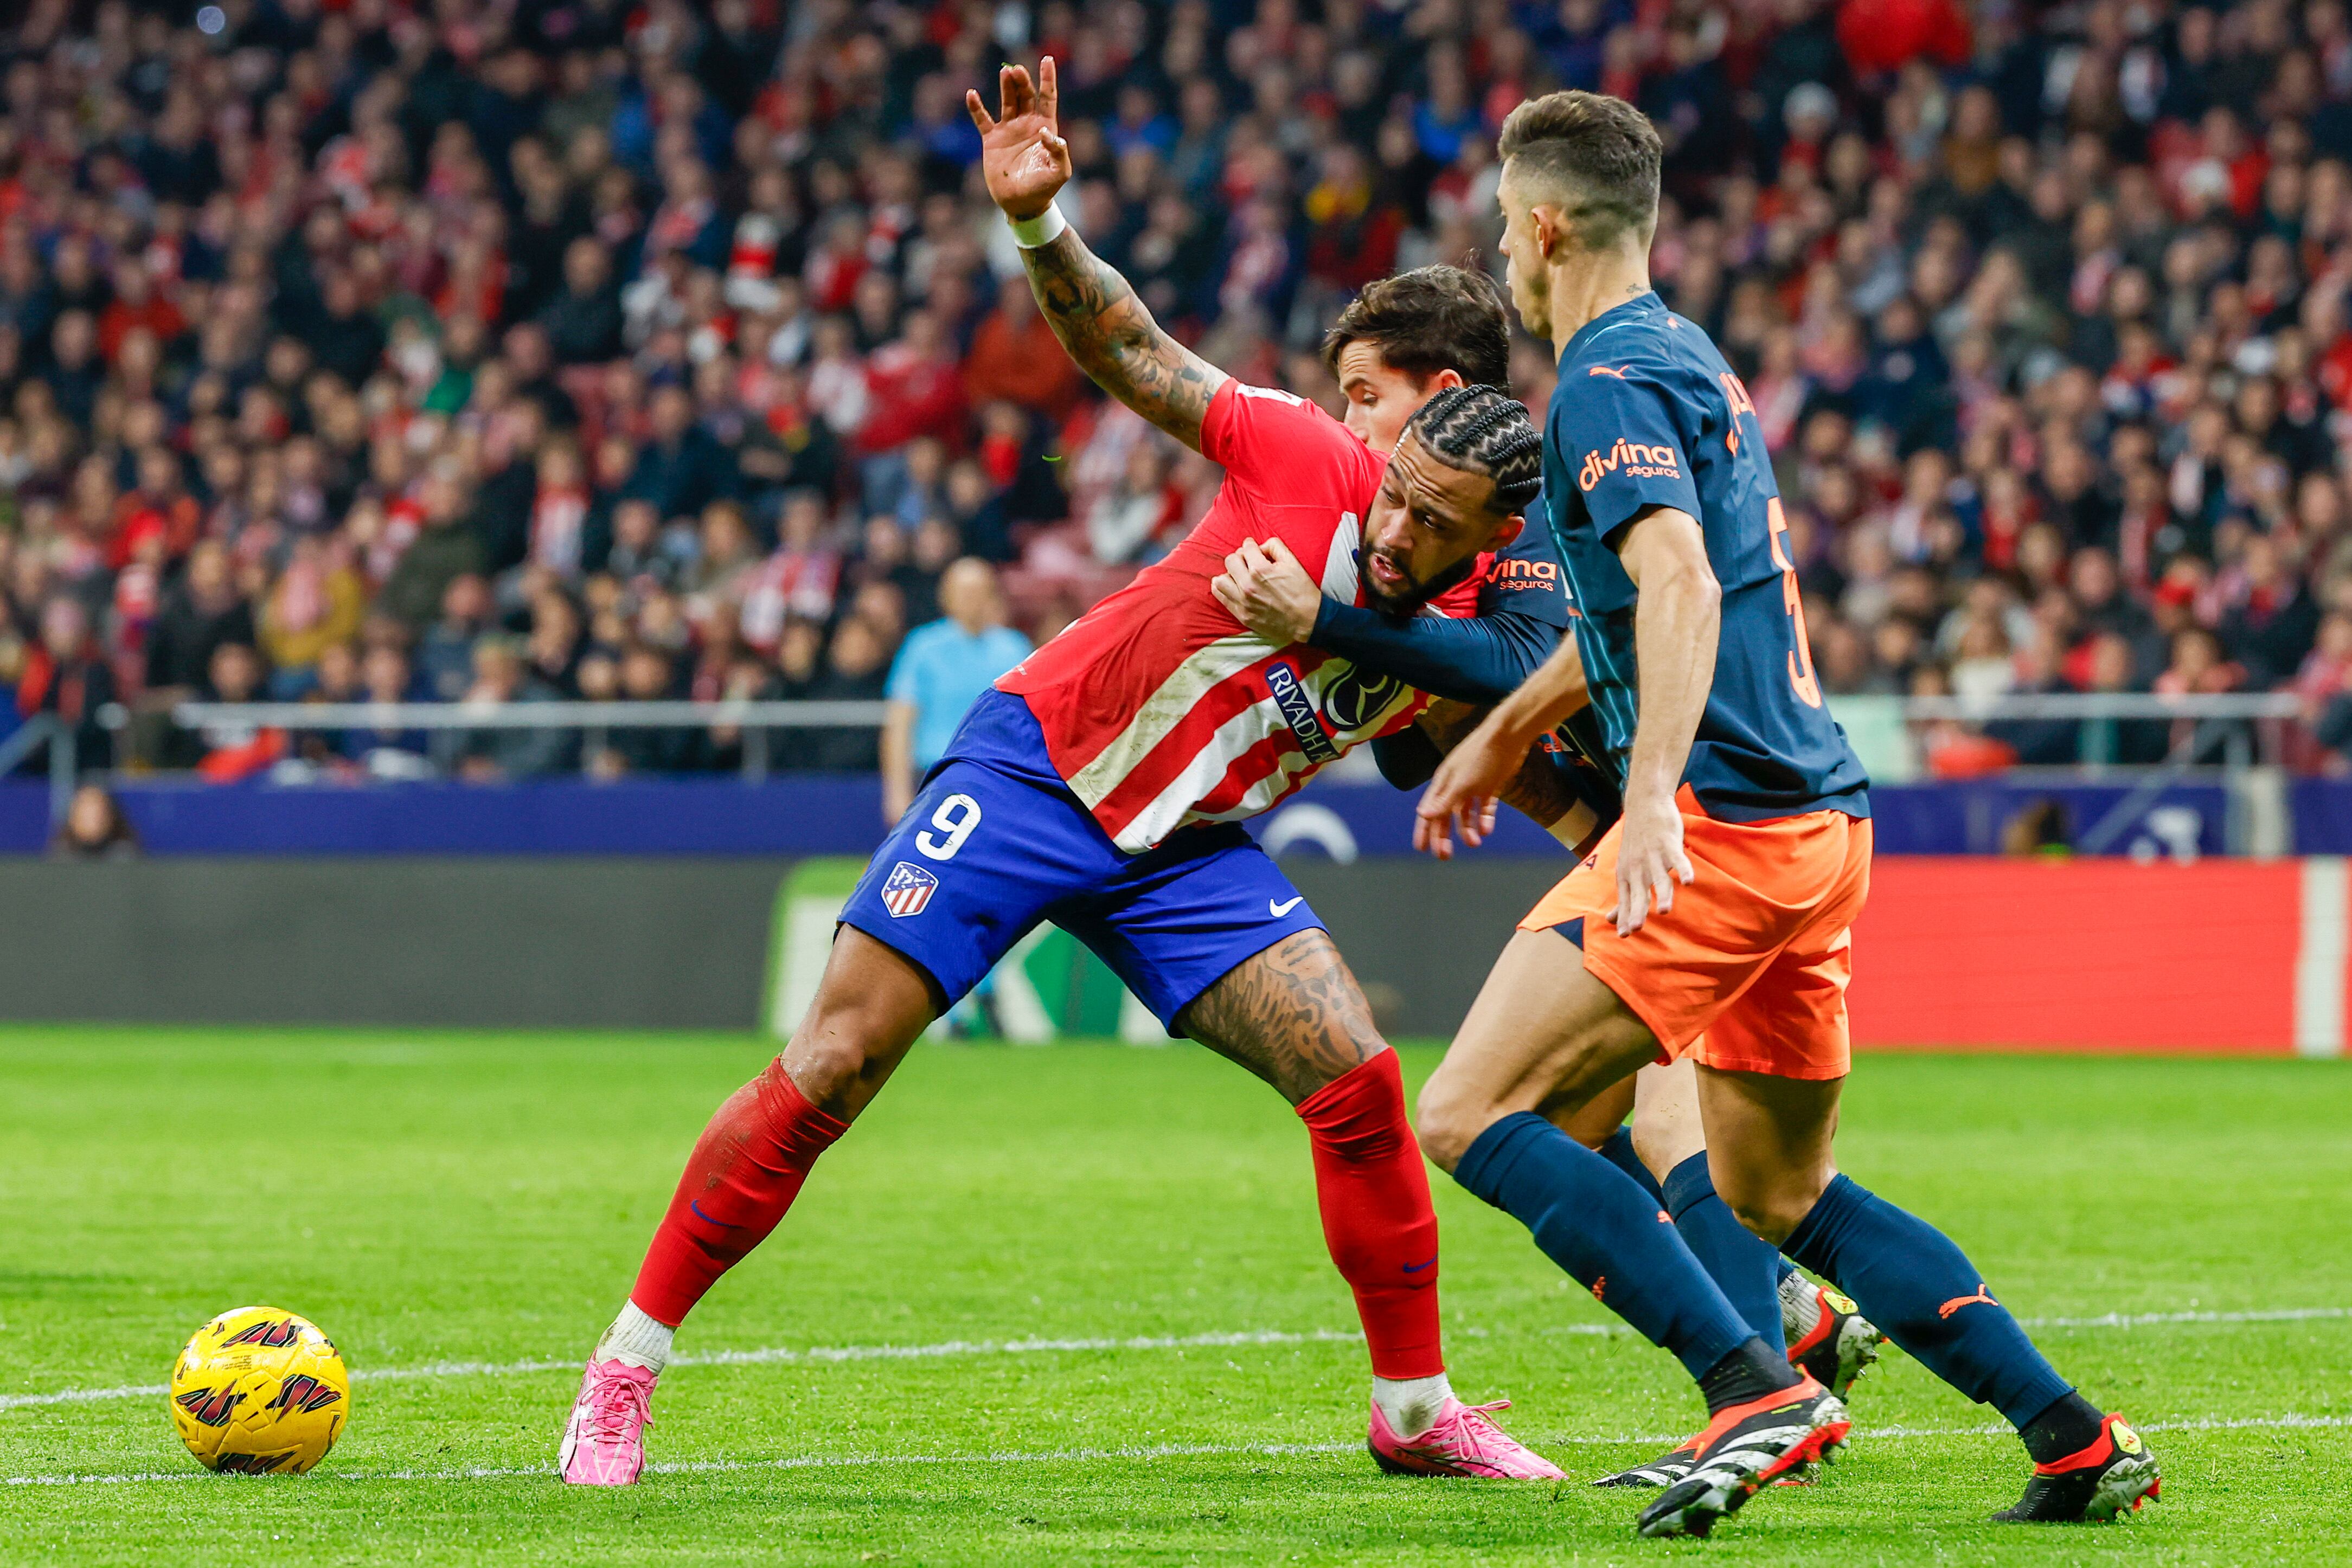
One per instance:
[(1417, 1268), (722, 1225), (1279, 910)]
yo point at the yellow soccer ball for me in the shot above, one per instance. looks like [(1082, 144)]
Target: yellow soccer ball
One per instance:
[(259, 1391)]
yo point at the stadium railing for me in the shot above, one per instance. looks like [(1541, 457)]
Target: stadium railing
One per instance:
[(756, 719)]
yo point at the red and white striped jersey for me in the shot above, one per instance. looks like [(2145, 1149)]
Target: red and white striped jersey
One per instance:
[(1158, 709)]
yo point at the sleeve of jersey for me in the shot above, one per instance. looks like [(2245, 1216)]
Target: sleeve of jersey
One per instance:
[(1264, 436), (1523, 577), (1479, 659), (1618, 441)]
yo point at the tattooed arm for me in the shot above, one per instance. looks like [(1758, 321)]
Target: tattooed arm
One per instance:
[(1092, 310), (1113, 337)]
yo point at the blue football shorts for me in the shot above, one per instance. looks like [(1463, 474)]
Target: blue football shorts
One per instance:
[(985, 853)]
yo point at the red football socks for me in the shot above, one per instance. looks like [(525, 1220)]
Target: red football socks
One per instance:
[(745, 1171), (1375, 1194)]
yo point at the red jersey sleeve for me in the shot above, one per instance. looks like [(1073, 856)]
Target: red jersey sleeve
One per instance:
[(1282, 448)]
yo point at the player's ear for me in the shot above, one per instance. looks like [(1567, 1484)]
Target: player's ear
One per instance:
[(1445, 379), (1549, 230), (1508, 531)]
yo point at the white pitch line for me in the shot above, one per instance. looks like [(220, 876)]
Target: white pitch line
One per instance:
[(771, 1356), (1089, 1455), (2003, 1429), (831, 1354), (728, 1466), (2139, 1320)]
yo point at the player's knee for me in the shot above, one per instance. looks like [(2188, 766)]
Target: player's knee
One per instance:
[(1450, 1121), (835, 1049), (1771, 1208)]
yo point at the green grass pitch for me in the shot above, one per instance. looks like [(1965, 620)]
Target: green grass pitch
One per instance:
[(484, 1199)]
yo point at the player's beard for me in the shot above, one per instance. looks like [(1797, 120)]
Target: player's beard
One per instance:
[(1404, 602)]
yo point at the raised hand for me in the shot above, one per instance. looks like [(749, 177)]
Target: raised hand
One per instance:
[(1022, 153)]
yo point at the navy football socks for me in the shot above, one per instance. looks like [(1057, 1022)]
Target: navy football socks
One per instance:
[(1915, 1285), (1612, 1240), (1736, 1257), (1619, 1152)]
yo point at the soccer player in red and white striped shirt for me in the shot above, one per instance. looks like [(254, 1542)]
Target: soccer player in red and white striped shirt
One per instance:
[(1101, 786)]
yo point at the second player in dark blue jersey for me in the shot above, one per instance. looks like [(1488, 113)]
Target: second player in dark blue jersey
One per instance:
[(1647, 415)]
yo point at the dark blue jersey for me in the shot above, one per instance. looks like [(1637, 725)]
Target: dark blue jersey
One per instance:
[(1647, 413)]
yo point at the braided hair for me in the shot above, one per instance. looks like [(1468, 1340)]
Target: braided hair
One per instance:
[(1485, 430)]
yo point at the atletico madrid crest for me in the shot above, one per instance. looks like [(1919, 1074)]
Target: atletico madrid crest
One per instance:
[(909, 888)]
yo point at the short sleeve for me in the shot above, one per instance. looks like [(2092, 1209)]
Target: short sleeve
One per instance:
[(1268, 440), (1622, 448), (1523, 577)]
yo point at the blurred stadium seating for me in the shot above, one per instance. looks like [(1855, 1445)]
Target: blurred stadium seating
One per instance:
[(598, 350)]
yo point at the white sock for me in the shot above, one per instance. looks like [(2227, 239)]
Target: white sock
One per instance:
[(637, 1340), (1411, 1405)]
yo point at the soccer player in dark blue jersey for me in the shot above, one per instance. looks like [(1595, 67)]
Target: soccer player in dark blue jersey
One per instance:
[(1399, 343), (1713, 922)]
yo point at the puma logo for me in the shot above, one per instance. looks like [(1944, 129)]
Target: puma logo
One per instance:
[(1956, 1303), (1605, 370)]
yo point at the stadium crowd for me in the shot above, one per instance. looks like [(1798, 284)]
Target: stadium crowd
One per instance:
[(544, 350)]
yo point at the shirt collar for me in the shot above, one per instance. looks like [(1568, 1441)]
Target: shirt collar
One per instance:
[(1616, 316)]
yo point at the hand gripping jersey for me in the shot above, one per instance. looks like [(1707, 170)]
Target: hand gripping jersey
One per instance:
[(1646, 413), (1157, 708)]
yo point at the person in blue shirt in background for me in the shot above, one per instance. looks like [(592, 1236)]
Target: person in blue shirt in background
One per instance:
[(939, 673)]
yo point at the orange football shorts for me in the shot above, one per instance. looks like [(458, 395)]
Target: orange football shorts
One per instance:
[(1747, 971)]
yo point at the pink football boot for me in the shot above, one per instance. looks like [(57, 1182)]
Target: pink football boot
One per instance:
[(1465, 1441), (603, 1442)]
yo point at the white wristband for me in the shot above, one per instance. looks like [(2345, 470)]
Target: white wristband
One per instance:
[(1030, 234)]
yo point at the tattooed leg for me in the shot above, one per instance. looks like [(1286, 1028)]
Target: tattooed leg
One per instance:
[(1293, 1015)]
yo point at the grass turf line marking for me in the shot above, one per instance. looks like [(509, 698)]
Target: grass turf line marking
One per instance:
[(731, 1466), (773, 1355), (1089, 1455), (824, 1354)]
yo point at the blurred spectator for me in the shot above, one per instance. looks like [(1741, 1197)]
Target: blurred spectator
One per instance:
[(95, 829), (1127, 524), (1016, 358), (496, 755), (355, 302), (387, 753), (941, 671), (65, 677), (646, 675), (316, 604), (235, 749), (203, 611), (444, 548), (445, 655), (857, 669)]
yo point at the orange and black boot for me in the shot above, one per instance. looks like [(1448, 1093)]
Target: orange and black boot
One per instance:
[(2113, 1476)]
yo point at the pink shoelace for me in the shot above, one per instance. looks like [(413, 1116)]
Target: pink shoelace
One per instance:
[(618, 1409), (1478, 1426)]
